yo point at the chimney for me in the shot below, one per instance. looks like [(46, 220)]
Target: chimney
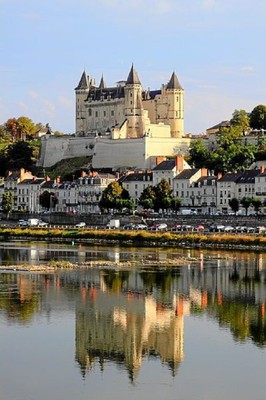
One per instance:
[(262, 169), (47, 178), (179, 163), (204, 172), (117, 175), (21, 174), (58, 179), (219, 175), (83, 174), (159, 159)]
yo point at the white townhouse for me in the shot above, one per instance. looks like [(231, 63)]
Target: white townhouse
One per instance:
[(183, 188), (246, 184), (26, 189), (203, 193), (226, 190), (136, 182), (90, 188), (260, 184), (28, 195), (235, 185), (168, 169)]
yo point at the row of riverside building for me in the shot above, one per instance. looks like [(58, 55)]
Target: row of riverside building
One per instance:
[(195, 187)]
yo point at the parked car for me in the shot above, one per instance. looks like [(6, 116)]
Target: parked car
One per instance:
[(129, 226), (229, 228), (158, 227), (80, 225), (43, 223), (260, 229), (140, 227), (23, 222), (176, 228), (216, 228), (200, 228)]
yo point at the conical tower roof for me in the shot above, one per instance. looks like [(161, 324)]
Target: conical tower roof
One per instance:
[(174, 83), (133, 77), (84, 82), (102, 83)]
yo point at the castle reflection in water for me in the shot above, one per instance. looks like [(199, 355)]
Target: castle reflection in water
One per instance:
[(123, 316)]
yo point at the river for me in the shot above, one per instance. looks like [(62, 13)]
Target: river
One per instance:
[(195, 330)]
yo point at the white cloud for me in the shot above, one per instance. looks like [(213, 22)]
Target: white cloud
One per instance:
[(65, 101), (23, 107), (247, 69), (207, 4)]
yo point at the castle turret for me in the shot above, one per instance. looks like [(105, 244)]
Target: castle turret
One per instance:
[(175, 115), (133, 104), (82, 91), (102, 83)]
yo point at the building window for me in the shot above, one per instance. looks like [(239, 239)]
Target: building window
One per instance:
[(112, 113), (96, 114), (177, 99), (89, 112)]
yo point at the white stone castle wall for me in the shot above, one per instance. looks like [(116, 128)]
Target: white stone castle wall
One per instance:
[(57, 148), (119, 153)]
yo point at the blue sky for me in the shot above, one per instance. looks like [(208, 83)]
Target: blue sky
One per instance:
[(216, 47)]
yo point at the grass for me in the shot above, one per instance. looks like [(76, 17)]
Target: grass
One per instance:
[(140, 237)]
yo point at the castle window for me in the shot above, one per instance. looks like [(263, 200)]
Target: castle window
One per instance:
[(89, 112), (112, 113), (177, 99), (96, 114), (104, 113)]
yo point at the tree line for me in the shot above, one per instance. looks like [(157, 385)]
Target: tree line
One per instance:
[(232, 152)]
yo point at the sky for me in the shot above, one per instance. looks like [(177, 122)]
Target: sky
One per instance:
[(217, 49)]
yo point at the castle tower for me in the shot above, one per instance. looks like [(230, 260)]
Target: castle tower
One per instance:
[(133, 105), (81, 91), (175, 115), (102, 84)]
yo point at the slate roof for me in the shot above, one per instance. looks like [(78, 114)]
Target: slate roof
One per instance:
[(207, 179), (133, 78), (248, 176), (230, 177), (223, 124), (138, 177), (84, 82), (114, 93), (167, 165), (187, 173), (174, 83)]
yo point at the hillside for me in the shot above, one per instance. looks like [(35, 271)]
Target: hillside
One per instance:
[(69, 168)]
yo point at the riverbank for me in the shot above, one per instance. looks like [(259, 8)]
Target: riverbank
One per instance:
[(74, 236)]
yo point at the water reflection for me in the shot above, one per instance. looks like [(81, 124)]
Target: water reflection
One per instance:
[(126, 316)]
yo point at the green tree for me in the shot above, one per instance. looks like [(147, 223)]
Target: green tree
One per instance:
[(147, 197), (257, 118), (240, 118), (111, 196), (8, 203), (231, 153), (26, 128), (19, 155), (199, 154), (234, 204), (4, 134), (48, 199), (175, 204), (246, 202), (163, 196), (257, 204)]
